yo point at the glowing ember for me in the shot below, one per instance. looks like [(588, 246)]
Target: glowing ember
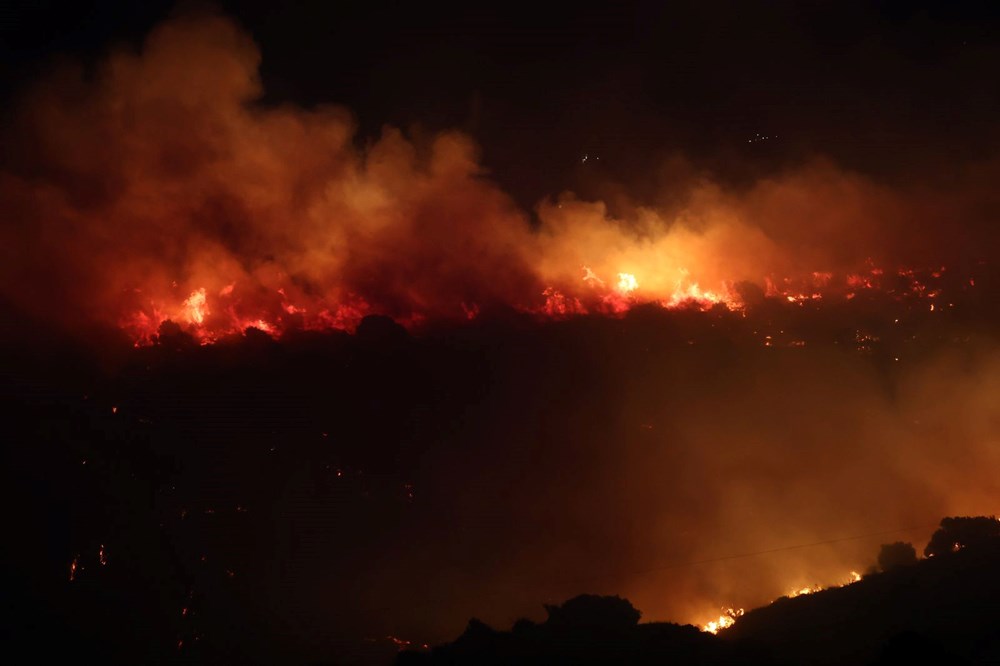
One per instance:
[(471, 311), (403, 644), (558, 305)]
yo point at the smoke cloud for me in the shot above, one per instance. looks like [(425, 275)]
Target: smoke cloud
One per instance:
[(157, 186)]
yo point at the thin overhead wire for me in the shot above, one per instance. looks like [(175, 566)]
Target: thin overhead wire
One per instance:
[(756, 553)]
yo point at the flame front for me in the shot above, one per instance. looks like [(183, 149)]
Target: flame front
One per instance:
[(730, 616), (229, 215), (210, 315)]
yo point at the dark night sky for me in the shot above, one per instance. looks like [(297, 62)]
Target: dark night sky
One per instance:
[(880, 87)]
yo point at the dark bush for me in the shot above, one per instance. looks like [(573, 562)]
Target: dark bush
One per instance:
[(897, 554), (589, 611), (960, 532)]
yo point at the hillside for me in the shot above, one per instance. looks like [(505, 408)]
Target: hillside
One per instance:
[(941, 609), (944, 606)]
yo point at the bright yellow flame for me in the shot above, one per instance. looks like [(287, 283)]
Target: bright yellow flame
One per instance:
[(726, 620), (853, 578), (693, 293), (627, 283), (196, 307), (804, 590), (730, 615)]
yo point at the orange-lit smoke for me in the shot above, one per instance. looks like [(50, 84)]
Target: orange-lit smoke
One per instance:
[(158, 187)]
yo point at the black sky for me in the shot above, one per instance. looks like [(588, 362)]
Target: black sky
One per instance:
[(880, 87)]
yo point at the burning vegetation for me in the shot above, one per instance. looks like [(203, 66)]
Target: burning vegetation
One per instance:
[(158, 188), (825, 627)]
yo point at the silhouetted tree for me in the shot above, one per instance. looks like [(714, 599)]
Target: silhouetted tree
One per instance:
[(590, 611), (587, 629), (962, 531), (171, 336), (524, 626), (897, 554), (478, 631), (381, 330)]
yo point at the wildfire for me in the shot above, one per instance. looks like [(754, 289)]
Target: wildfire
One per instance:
[(705, 299), (724, 621), (212, 314), (278, 221), (729, 615), (852, 578), (802, 591), (195, 307), (403, 644)]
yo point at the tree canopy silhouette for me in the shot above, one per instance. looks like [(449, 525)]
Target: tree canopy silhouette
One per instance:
[(590, 611), (960, 532), (896, 554)]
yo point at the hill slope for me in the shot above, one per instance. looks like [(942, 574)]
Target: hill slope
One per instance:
[(942, 609), (945, 605)]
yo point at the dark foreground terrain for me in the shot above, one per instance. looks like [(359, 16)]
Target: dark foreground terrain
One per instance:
[(941, 610), (326, 497)]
